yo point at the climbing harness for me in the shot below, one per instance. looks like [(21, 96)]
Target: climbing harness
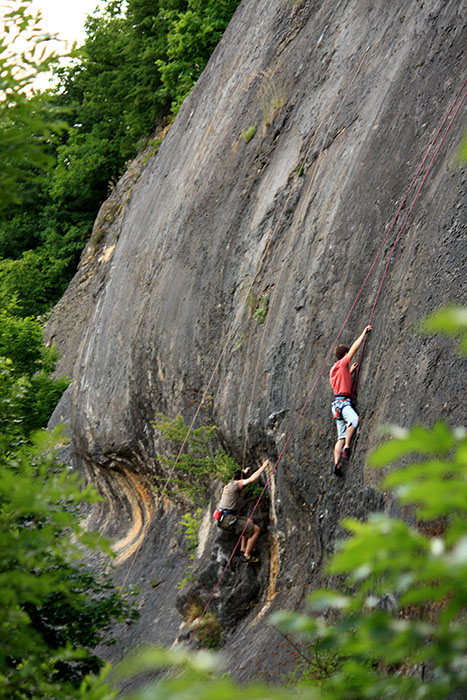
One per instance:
[(339, 403), (219, 515)]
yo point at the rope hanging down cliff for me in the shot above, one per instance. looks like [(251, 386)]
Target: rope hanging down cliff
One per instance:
[(390, 257), (462, 92), (303, 199)]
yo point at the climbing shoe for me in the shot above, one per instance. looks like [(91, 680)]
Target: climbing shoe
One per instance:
[(250, 560), (346, 453), (338, 470)]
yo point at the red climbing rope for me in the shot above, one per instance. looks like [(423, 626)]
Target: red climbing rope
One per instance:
[(386, 269), (323, 367), (349, 81)]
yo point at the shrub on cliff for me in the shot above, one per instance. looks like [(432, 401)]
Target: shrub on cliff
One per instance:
[(192, 459)]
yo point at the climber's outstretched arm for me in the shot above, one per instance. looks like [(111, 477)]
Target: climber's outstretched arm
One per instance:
[(255, 475), (356, 344)]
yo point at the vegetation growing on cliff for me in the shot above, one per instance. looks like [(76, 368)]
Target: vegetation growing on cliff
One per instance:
[(193, 459)]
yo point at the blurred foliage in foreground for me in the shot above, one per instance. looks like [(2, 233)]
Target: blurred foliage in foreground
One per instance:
[(53, 608)]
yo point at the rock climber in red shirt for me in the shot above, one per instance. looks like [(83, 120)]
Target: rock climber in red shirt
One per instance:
[(342, 410)]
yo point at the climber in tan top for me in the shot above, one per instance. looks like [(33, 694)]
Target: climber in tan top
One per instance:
[(229, 520)]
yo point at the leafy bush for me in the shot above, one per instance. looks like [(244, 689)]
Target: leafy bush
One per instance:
[(207, 629), (190, 524)]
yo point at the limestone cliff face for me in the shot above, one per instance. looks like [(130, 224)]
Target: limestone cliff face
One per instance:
[(346, 98)]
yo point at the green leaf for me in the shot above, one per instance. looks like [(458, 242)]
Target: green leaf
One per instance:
[(150, 658), (418, 440), (290, 622), (325, 599)]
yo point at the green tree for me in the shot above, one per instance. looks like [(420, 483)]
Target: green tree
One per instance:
[(53, 609), (114, 94), (138, 57), (191, 39), (34, 279), (26, 369), (28, 120)]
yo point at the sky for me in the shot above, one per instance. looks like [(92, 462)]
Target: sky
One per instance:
[(65, 17)]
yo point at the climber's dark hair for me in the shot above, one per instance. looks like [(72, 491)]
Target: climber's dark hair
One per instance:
[(240, 474), (340, 351)]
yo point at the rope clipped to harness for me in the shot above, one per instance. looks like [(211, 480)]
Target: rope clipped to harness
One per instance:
[(339, 403)]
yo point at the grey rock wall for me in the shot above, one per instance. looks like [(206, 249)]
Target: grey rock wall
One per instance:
[(346, 98)]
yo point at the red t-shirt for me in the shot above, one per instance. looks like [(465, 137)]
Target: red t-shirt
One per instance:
[(340, 377)]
